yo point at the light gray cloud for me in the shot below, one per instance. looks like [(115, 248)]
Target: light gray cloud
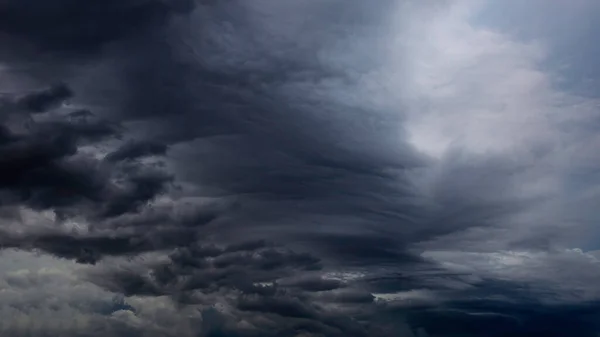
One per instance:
[(45, 296), (562, 27)]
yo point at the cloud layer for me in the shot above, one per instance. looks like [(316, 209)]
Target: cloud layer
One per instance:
[(267, 168)]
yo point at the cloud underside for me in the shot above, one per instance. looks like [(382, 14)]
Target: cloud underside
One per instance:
[(290, 169)]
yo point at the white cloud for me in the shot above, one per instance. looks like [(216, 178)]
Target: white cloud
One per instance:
[(474, 88)]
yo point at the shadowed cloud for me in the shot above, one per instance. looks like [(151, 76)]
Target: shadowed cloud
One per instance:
[(297, 168)]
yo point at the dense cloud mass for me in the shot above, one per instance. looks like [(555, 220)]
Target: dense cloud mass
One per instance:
[(292, 168), (75, 26)]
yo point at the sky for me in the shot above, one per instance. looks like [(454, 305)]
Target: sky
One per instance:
[(213, 168)]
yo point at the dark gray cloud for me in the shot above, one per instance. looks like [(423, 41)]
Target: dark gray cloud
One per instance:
[(74, 26), (133, 150), (497, 318), (42, 169), (248, 161), (245, 278)]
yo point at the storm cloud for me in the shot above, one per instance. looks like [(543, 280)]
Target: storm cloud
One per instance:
[(299, 168)]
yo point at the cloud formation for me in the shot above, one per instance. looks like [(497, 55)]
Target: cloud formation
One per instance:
[(268, 168)]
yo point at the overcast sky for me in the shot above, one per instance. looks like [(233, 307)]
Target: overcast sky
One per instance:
[(299, 168)]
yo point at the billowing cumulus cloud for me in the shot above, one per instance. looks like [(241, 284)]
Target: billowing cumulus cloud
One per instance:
[(299, 168)]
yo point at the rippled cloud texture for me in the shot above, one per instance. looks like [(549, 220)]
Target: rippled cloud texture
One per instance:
[(299, 168)]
